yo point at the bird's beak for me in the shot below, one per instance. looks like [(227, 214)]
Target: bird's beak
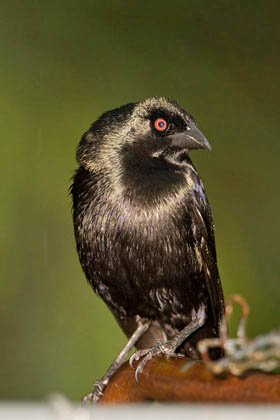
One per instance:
[(190, 139)]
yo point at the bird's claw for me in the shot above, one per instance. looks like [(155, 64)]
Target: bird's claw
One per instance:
[(137, 355), (169, 348), (142, 364), (147, 354), (96, 393)]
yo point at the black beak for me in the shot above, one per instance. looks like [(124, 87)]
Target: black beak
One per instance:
[(192, 138)]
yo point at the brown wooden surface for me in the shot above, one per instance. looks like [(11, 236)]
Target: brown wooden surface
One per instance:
[(186, 380)]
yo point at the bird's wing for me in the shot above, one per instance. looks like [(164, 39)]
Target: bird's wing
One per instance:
[(205, 239)]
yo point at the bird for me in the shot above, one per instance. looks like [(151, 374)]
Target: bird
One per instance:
[(144, 230)]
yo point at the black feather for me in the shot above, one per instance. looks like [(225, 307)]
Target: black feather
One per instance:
[(143, 224)]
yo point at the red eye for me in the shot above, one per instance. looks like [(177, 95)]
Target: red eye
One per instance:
[(160, 124)]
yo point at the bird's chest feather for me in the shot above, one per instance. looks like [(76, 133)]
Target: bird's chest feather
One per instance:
[(140, 239), (128, 252)]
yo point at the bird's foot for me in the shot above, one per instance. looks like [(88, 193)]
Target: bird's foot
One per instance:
[(166, 349), (100, 385), (169, 348), (97, 391)]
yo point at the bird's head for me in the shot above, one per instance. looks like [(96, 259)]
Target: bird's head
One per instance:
[(143, 139)]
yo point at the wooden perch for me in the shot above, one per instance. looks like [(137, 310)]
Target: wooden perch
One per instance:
[(186, 380)]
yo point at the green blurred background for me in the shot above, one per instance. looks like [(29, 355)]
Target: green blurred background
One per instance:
[(62, 64)]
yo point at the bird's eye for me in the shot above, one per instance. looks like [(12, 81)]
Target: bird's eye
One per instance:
[(160, 124)]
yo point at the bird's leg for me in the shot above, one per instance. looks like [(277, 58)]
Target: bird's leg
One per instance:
[(169, 348), (99, 385)]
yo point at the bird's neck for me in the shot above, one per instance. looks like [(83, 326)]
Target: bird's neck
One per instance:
[(152, 180), (143, 184)]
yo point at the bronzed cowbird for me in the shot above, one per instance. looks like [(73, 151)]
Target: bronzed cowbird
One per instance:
[(144, 229)]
